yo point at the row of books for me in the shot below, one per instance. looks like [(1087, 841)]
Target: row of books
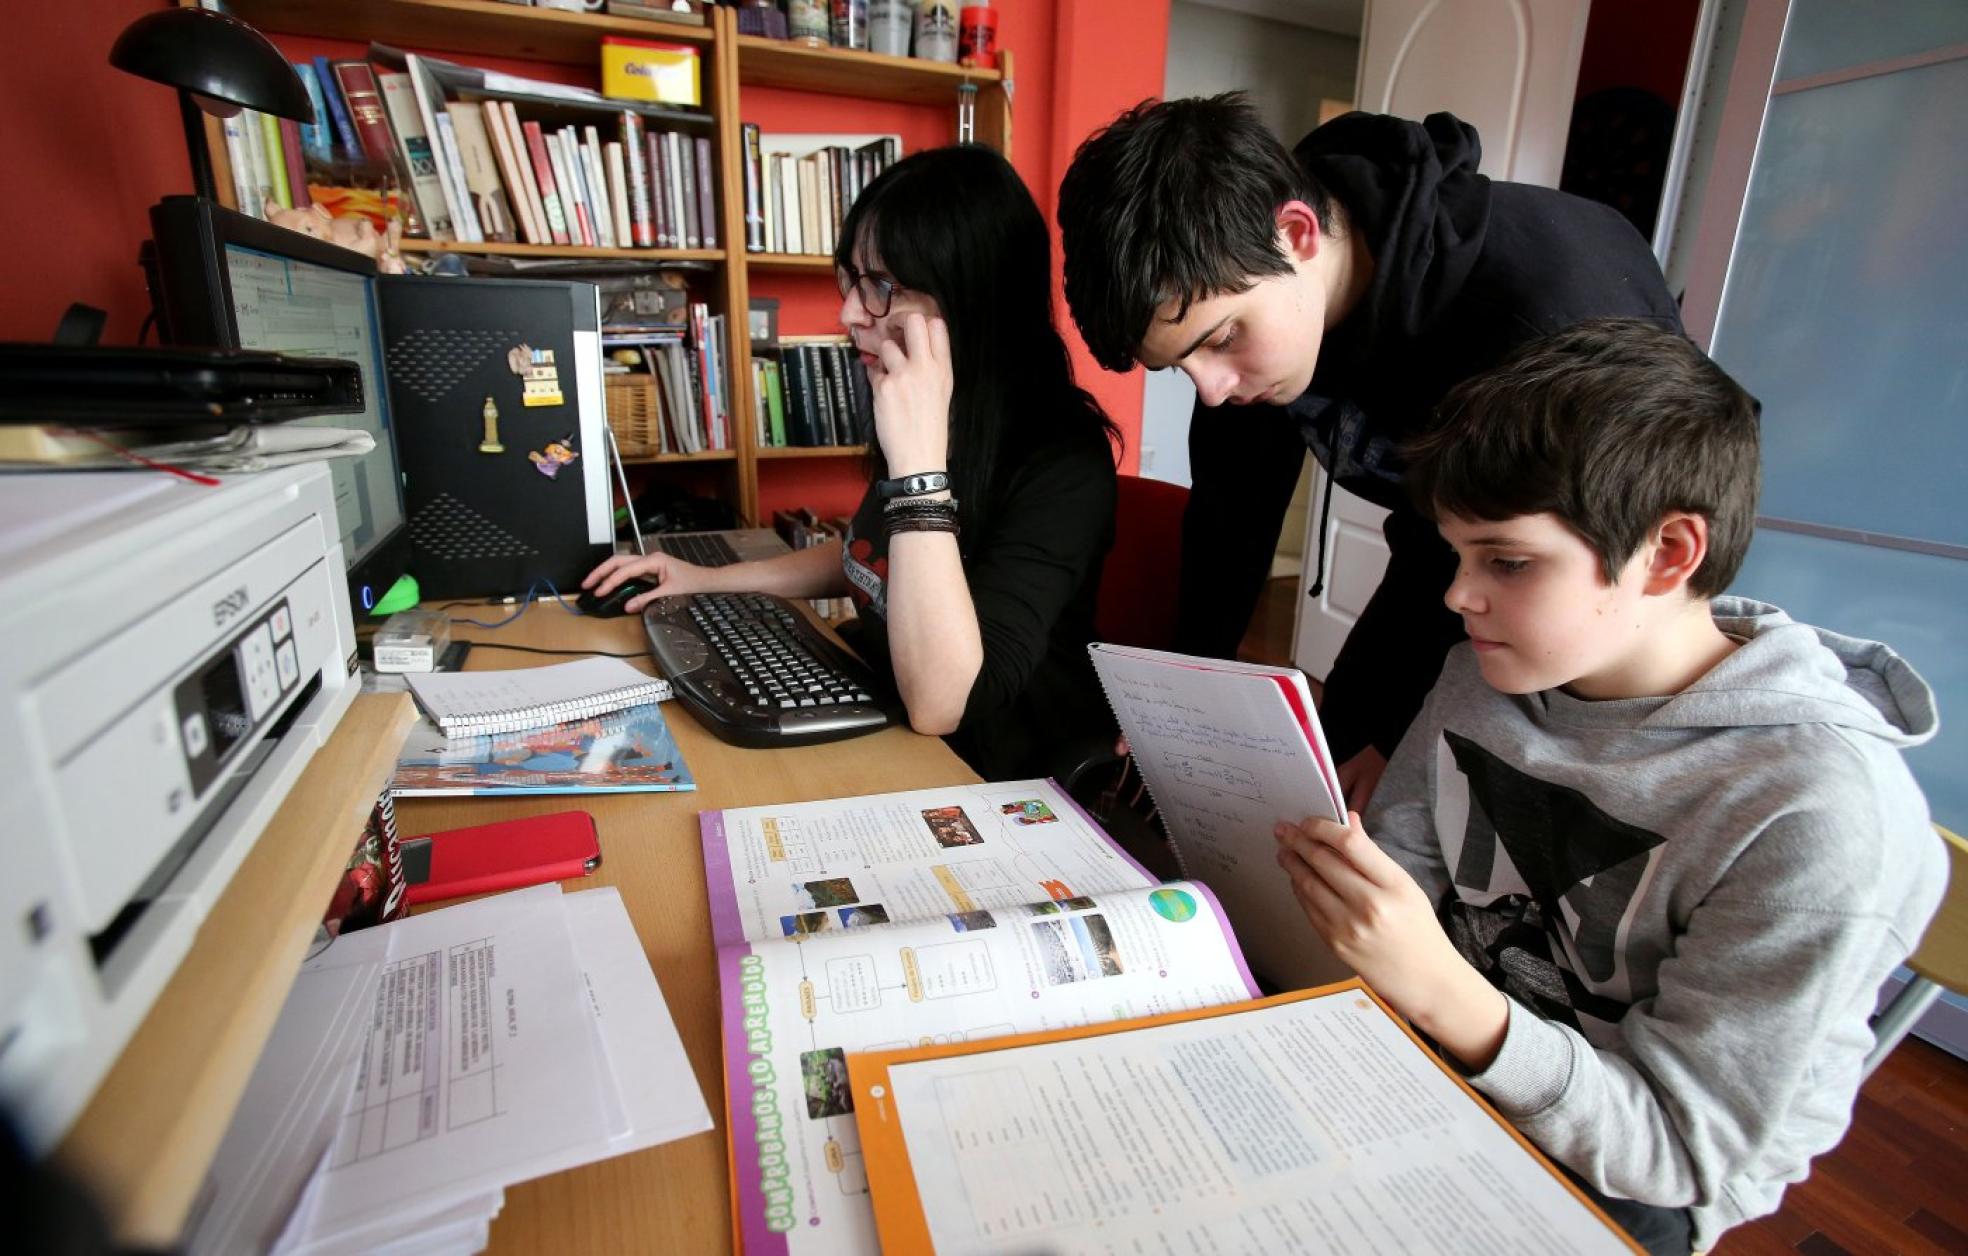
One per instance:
[(689, 378), (473, 170), (798, 188), (811, 395), (802, 529)]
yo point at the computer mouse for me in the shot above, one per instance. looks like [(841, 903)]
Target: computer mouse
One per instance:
[(616, 603)]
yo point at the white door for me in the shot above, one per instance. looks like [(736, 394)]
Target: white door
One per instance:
[(1510, 69), (1356, 554)]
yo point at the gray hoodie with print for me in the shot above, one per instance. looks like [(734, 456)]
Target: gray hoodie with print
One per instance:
[(1690, 901)]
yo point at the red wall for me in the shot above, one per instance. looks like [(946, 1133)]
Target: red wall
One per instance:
[(89, 149)]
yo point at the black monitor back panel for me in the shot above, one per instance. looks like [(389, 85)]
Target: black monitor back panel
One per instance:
[(504, 496)]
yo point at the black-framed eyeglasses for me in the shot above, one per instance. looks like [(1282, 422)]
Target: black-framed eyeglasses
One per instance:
[(877, 292)]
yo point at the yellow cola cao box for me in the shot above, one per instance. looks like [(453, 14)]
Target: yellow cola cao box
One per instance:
[(640, 69)]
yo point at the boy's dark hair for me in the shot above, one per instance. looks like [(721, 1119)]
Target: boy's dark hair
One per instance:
[(1609, 425), (1174, 200)]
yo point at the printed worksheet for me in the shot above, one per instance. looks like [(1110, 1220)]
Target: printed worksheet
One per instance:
[(1228, 750), (509, 1037), (1314, 1125), (951, 915)]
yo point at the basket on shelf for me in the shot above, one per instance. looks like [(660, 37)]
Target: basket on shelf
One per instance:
[(633, 414)]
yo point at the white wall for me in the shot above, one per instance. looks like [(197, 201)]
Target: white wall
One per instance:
[(1288, 69)]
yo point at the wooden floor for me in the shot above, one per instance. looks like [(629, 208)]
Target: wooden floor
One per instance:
[(1899, 1181)]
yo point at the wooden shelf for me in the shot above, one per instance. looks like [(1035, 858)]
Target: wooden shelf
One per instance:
[(495, 249), (772, 452), (474, 26), (708, 455), (766, 62), (156, 1120), (790, 261)]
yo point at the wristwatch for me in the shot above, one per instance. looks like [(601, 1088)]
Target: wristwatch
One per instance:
[(913, 485)]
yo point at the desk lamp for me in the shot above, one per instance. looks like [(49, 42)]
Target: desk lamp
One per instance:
[(219, 66)]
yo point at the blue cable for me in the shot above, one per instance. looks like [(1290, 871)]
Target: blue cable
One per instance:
[(526, 604)]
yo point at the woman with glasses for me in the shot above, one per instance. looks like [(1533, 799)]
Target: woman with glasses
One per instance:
[(975, 556)]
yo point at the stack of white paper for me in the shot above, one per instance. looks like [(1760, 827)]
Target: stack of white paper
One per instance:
[(504, 1039)]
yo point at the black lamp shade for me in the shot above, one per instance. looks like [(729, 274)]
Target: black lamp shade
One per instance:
[(213, 55)]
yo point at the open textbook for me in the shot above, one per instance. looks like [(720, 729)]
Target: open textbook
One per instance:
[(943, 915), (1310, 1122), (1228, 750)]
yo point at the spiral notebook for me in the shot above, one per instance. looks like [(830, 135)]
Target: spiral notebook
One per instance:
[(464, 704), (1227, 750)]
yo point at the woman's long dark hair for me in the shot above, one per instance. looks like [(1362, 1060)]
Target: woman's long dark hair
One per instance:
[(959, 225)]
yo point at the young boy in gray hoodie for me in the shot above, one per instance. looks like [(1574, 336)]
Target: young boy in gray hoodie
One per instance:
[(1646, 856)]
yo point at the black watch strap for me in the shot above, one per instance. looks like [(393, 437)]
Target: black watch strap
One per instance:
[(913, 485)]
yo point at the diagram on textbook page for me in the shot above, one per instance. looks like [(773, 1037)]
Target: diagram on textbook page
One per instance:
[(935, 916)]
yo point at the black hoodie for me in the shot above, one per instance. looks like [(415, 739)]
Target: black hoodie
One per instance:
[(1465, 271)]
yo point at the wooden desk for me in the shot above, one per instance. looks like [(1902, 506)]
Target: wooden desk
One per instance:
[(676, 1197)]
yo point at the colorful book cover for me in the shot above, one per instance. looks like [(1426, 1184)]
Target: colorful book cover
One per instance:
[(631, 751), (318, 136), (338, 114), (499, 116), (276, 161), (425, 188), (558, 219)]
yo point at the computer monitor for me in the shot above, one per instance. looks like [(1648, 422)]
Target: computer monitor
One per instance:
[(228, 280)]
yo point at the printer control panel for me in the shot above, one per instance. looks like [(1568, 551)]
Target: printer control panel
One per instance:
[(220, 704)]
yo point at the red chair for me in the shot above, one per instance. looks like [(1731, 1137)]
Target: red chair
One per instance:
[(1137, 587), (1136, 607)]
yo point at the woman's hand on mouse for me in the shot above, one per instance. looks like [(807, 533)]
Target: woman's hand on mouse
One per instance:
[(912, 397), (670, 575)]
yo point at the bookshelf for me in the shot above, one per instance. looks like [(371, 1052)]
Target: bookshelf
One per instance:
[(731, 62)]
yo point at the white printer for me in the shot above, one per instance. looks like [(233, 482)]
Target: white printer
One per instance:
[(171, 655)]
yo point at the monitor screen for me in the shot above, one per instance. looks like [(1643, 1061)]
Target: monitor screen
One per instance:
[(224, 279), (287, 305)]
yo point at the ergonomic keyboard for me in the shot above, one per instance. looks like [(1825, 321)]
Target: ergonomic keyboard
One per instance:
[(706, 549), (756, 672)]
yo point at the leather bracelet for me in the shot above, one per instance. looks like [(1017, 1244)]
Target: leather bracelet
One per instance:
[(919, 516), (925, 523), (912, 485)]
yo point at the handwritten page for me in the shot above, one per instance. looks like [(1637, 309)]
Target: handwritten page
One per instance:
[(1226, 757), (1311, 1125)]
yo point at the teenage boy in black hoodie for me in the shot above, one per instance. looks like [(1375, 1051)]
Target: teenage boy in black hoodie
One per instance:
[(1332, 295)]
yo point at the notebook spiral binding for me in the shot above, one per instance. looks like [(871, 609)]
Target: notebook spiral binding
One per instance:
[(515, 718)]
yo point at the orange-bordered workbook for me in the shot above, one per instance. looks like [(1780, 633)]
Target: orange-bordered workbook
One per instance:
[(942, 915), (1309, 1122)]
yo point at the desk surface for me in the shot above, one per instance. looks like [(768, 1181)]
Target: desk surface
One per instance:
[(675, 1197)]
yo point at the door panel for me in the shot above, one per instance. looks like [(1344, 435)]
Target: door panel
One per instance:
[(1509, 67), (1356, 557)]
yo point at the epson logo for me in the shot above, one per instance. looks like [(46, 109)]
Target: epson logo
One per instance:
[(228, 607)]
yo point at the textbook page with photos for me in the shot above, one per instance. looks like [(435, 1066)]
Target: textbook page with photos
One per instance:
[(940, 915), (1308, 1122), (1227, 750)]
